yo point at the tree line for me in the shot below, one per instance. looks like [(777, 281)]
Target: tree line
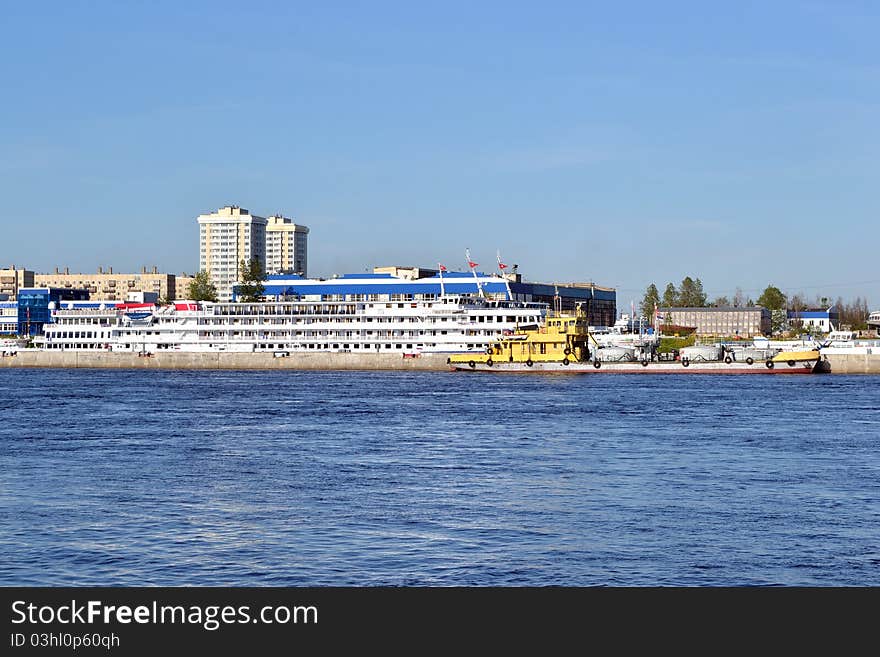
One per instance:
[(690, 294)]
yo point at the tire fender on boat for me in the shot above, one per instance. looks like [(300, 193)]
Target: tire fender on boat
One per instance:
[(566, 351), (597, 364), (728, 360), (529, 362), (685, 362), (750, 361), (644, 363), (565, 361), (489, 362), (472, 364), (769, 364)]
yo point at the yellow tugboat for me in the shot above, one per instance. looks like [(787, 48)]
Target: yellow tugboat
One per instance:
[(564, 339)]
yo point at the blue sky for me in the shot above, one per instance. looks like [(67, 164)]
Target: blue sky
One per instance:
[(626, 143)]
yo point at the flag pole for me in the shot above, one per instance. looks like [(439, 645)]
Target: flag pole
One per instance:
[(473, 265), (442, 289), (501, 268)]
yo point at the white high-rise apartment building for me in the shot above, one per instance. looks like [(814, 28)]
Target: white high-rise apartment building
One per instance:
[(286, 246), (227, 237)]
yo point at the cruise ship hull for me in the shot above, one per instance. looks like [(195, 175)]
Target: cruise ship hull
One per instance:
[(449, 324)]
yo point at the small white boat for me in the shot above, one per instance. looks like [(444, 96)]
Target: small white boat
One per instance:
[(10, 346)]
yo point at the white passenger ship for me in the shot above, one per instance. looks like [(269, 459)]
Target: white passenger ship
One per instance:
[(446, 324)]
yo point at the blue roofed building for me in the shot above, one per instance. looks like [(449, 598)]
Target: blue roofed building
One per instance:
[(416, 284), (821, 319)]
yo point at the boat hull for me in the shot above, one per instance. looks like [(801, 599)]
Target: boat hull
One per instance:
[(672, 367)]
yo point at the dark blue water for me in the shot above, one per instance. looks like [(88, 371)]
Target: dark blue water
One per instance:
[(257, 478)]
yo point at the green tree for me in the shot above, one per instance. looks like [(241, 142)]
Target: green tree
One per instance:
[(670, 296), (201, 288), (721, 302), (250, 286), (772, 298), (700, 294), (650, 302), (691, 294), (778, 320)]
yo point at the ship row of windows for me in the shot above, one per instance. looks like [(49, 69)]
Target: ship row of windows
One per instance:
[(376, 346), (341, 319), (57, 335)]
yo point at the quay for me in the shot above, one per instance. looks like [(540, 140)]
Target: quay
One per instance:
[(223, 361), (838, 363), (854, 363)]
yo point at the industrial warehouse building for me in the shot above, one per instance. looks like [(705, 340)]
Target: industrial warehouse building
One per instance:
[(722, 321)]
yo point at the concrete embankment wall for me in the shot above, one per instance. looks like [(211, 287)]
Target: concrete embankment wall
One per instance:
[(225, 361), (840, 364), (854, 363)]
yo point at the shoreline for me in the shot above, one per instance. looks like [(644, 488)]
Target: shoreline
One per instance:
[(839, 363)]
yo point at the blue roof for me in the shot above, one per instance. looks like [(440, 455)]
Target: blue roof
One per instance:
[(811, 314), (549, 290), (455, 282), (456, 274), (389, 288)]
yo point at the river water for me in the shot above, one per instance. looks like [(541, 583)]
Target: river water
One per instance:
[(112, 477)]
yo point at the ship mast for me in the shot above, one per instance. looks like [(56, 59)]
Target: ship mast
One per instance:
[(473, 265), (501, 268)]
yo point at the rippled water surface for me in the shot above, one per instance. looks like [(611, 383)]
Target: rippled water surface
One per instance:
[(312, 478)]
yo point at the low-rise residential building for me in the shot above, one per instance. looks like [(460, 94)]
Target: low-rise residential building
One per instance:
[(181, 285), (725, 321), (110, 286), (12, 279)]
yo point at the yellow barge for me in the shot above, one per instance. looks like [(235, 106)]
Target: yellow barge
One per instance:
[(564, 344)]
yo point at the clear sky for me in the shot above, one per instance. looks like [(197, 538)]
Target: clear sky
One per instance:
[(620, 142)]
